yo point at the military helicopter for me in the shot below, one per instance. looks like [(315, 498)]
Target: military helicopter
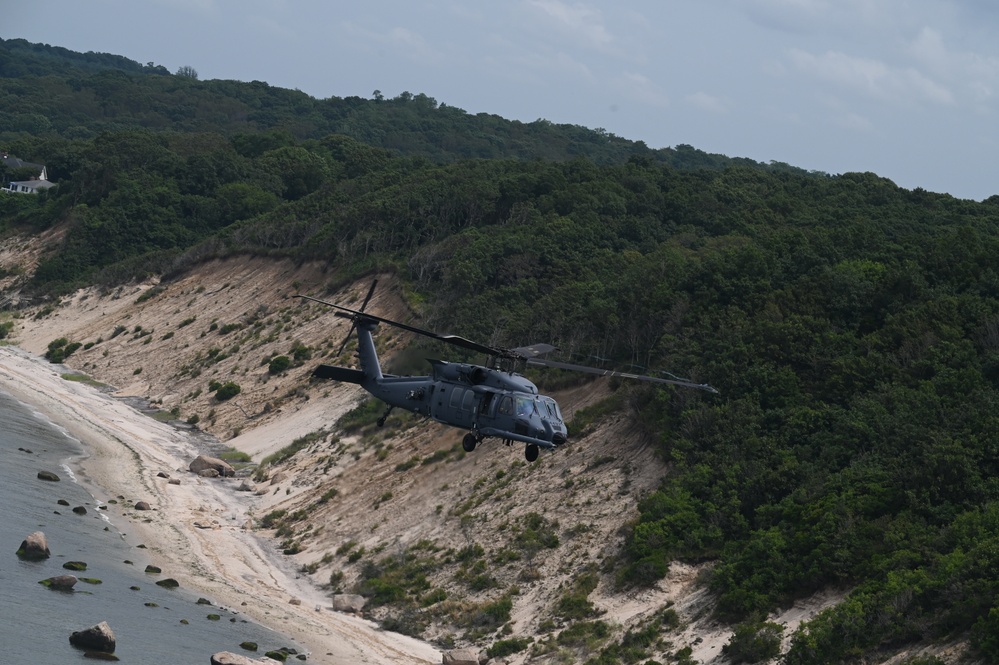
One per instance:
[(490, 400)]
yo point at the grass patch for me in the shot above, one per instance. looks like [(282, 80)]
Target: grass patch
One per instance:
[(289, 451), (83, 378), (237, 456)]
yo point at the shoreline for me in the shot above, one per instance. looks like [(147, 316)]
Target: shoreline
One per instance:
[(199, 532)]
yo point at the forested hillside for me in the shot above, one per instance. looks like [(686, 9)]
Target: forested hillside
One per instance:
[(851, 326)]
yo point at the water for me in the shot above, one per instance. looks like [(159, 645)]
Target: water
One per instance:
[(35, 622)]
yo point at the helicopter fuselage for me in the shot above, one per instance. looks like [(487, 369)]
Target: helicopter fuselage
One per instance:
[(485, 401), (488, 401)]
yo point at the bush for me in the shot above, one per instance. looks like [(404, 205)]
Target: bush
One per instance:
[(278, 364), (503, 648), (59, 350), (494, 614), (227, 390), (754, 642), (301, 352)]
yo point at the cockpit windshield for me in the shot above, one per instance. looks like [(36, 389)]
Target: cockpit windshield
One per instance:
[(552, 407), (525, 407)]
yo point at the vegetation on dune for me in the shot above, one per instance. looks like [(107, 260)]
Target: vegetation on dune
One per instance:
[(851, 326)]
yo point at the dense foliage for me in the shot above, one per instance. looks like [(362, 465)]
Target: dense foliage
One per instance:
[(851, 326), (50, 91)]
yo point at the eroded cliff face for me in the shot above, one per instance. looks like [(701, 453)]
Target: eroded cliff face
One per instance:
[(462, 549)]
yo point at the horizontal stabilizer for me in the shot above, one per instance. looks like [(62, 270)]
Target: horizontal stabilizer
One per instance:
[(338, 374)]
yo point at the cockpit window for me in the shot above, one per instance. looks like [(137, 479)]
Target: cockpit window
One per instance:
[(552, 407), (525, 407)]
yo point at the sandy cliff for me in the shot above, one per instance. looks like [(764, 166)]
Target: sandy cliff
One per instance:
[(375, 497)]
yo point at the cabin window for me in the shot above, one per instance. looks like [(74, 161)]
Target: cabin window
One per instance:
[(456, 395), (466, 403), (506, 406), (485, 403)]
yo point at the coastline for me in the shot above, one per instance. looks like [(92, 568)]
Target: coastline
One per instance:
[(199, 532)]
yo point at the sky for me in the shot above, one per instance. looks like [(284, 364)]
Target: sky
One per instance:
[(906, 89)]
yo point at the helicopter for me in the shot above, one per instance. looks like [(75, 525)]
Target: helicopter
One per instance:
[(490, 401)]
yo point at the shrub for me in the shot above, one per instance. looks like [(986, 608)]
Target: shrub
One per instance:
[(227, 390), (272, 518), (503, 648), (754, 642), (278, 364), (494, 614), (59, 350), (301, 352)]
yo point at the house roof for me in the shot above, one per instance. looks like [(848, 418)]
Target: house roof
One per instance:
[(16, 163), (34, 184)]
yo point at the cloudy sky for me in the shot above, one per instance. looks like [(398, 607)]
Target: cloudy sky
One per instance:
[(907, 89)]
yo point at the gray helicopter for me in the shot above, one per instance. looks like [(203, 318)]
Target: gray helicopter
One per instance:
[(490, 400)]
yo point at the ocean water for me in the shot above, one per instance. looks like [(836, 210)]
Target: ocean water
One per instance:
[(36, 622)]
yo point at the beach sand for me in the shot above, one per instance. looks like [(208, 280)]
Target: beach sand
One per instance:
[(198, 532)]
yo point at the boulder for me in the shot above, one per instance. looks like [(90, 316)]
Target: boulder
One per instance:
[(61, 582), (460, 657), (202, 462), (209, 473), (246, 486), (175, 481), (142, 505), (97, 638), (347, 602), (35, 547), (48, 475), (229, 658)]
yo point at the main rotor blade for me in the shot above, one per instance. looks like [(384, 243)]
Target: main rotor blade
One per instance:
[(353, 323), (532, 351), (607, 372), (449, 339)]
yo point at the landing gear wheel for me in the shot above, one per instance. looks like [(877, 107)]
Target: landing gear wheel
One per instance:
[(468, 443), (381, 421), (531, 452)]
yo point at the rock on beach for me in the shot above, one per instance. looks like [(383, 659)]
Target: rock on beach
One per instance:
[(61, 582), (35, 547), (98, 638), (229, 658), (204, 462)]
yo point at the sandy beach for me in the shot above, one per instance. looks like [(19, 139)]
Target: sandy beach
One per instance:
[(200, 531)]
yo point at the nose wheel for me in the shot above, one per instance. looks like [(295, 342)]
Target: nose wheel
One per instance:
[(469, 442)]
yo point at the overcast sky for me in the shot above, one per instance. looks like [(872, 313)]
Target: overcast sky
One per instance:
[(907, 89)]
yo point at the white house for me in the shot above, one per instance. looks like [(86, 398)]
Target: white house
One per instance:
[(29, 186), (32, 186)]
